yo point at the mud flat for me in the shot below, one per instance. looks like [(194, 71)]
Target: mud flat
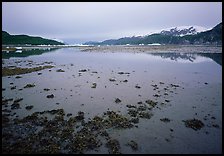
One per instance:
[(110, 102), (155, 48)]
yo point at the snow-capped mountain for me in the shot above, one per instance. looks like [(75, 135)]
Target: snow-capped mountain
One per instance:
[(175, 35), (183, 30)]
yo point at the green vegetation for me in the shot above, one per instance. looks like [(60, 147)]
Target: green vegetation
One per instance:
[(8, 39)]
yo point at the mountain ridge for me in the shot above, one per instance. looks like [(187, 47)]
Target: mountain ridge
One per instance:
[(8, 39), (209, 37), (183, 30)]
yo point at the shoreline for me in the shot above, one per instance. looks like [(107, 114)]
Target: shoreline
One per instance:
[(125, 48)]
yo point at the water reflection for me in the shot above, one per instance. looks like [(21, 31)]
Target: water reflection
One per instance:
[(178, 57), (189, 57), (26, 53), (217, 57)]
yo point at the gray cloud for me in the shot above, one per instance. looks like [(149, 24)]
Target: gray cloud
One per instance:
[(83, 21)]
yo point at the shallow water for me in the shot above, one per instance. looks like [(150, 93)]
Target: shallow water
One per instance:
[(199, 77)]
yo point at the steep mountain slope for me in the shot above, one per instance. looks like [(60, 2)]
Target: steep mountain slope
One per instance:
[(213, 36), (25, 39)]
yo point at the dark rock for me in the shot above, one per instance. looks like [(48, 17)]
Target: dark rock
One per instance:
[(213, 118), (168, 140), (112, 79), (215, 125), (14, 87), (60, 70), (165, 120), (117, 100), (120, 73), (138, 87), (50, 96), (174, 85), (69, 114), (154, 85), (93, 85), (18, 77), (46, 89), (18, 100), (29, 85), (15, 105), (29, 107), (167, 100), (130, 106), (83, 70), (165, 93), (156, 95)]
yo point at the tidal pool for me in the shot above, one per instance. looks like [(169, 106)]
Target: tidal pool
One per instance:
[(184, 86)]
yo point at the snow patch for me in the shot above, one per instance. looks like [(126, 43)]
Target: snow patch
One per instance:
[(183, 30), (18, 47), (154, 44), (179, 28)]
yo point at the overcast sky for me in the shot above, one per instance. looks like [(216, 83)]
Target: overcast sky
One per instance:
[(79, 22)]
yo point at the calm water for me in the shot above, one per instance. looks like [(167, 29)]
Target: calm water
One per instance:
[(200, 93)]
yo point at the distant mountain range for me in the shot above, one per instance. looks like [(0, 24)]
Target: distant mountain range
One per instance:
[(183, 30), (8, 39), (177, 35)]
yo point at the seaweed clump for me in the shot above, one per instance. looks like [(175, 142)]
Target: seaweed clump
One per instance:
[(133, 145), (151, 103), (195, 124), (17, 71), (114, 146)]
